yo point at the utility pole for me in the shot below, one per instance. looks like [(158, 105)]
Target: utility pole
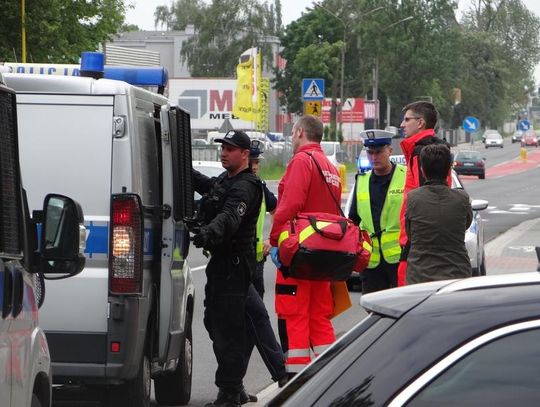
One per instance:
[(344, 47), (23, 31)]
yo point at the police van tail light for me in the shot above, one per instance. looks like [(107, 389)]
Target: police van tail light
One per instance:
[(126, 245)]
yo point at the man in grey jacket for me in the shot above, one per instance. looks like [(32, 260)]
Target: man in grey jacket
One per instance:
[(436, 220)]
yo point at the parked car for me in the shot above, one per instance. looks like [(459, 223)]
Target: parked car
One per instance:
[(208, 168), (199, 142), (529, 139), (332, 151), (275, 137), (516, 137), (474, 236), (468, 342), (470, 163), (493, 139)]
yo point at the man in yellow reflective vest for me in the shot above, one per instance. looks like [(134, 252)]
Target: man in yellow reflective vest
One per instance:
[(268, 204), (376, 208)]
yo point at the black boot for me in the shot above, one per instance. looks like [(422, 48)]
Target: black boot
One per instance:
[(284, 380), (245, 397), (226, 399)]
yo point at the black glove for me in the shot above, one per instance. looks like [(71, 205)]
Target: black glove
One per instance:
[(202, 238)]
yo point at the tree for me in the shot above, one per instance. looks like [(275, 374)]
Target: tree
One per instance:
[(58, 30), (312, 48), (502, 48), (223, 30)]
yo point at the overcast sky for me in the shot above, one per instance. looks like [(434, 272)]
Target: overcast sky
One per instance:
[(143, 13)]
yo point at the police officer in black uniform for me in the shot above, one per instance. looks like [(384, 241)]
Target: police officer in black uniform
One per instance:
[(230, 207), (260, 332)]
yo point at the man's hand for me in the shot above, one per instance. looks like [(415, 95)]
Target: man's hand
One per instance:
[(275, 257), (266, 247), (202, 238)]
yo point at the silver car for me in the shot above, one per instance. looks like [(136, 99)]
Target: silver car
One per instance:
[(493, 139)]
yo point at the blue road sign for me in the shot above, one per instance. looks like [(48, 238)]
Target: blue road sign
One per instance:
[(524, 125), (471, 124), (312, 89)]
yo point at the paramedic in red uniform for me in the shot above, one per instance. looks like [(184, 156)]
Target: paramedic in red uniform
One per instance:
[(304, 307), (418, 124)]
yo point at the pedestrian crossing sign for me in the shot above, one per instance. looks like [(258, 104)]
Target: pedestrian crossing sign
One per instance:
[(313, 108), (312, 89)]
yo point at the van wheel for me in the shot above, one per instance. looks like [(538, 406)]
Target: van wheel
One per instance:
[(35, 401), (174, 388), (135, 393)]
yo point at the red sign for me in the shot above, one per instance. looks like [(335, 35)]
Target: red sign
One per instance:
[(353, 111)]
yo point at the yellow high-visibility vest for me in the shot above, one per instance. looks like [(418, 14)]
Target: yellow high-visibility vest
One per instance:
[(259, 246), (387, 242)]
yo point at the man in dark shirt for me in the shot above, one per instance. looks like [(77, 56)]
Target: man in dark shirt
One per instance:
[(375, 208), (230, 208)]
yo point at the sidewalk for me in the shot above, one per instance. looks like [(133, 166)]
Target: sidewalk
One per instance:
[(513, 251)]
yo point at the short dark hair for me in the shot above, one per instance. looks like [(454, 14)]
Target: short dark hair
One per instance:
[(425, 110), (312, 126), (436, 160)]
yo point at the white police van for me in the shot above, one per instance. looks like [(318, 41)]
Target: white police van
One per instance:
[(125, 154), (25, 365)]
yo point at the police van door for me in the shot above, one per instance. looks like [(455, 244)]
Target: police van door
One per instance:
[(175, 239)]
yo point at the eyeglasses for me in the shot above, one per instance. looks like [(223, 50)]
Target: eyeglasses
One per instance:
[(406, 119)]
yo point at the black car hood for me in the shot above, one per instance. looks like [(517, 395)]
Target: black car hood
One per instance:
[(397, 301)]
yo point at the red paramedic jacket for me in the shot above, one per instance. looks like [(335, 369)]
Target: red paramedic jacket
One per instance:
[(302, 188)]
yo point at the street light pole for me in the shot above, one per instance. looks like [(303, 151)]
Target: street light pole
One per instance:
[(375, 90), (344, 46), (23, 31)]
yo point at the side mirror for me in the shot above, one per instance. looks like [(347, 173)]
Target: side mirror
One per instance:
[(63, 236), (479, 204)]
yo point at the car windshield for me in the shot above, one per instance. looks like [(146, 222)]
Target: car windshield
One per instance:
[(468, 155), (493, 136)]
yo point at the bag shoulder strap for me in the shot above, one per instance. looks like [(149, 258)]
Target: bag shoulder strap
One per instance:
[(326, 183)]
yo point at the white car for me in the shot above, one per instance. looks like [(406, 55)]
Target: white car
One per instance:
[(493, 139), (331, 150), (474, 236), (208, 168)]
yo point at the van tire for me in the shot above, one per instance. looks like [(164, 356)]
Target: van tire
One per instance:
[(136, 392), (174, 388), (35, 401)]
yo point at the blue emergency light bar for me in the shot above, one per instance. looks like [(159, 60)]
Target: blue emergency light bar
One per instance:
[(92, 64), (138, 76)]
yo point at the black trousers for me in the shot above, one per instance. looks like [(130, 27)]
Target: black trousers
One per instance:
[(258, 278), (228, 279), (382, 277), (261, 334)]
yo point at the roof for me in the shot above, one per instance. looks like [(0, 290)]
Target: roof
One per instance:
[(397, 301), (48, 84)]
